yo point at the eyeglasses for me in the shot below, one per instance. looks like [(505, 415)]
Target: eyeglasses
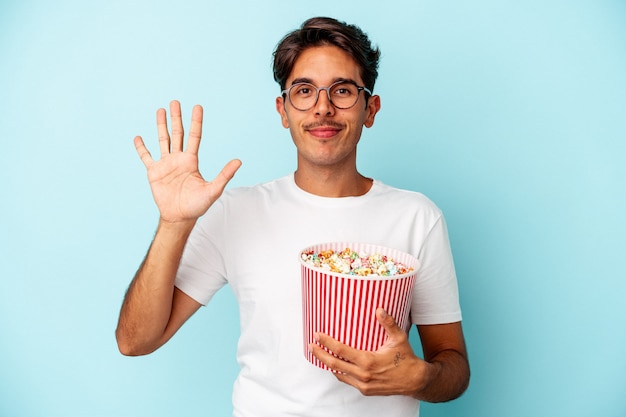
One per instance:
[(342, 94)]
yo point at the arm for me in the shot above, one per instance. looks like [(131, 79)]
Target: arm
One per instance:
[(394, 369), (153, 309), (444, 348)]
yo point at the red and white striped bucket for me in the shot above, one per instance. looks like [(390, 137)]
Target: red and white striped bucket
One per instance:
[(344, 306)]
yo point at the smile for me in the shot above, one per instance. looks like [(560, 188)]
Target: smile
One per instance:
[(324, 132)]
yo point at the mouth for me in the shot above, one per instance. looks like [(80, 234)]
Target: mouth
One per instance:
[(324, 130)]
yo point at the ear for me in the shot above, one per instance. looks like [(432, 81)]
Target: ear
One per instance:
[(373, 106), (280, 108)]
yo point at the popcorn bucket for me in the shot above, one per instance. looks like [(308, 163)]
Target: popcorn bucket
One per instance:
[(343, 306)]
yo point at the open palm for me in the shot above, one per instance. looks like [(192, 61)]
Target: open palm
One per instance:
[(179, 190)]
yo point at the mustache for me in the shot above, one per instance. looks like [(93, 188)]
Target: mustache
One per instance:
[(324, 123)]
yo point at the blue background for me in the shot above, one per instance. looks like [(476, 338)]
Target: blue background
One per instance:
[(510, 115)]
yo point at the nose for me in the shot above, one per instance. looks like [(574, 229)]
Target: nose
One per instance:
[(323, 106)]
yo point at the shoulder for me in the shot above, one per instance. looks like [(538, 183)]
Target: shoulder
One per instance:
[(260, 188), (404, 199), (255, 194)]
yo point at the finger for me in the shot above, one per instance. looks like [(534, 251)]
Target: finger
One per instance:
[(340, 349), (177, 126), (164, 136), (389, 324), (195, 130), (327, 358), (142, 151), (333, 360), (226, 174)]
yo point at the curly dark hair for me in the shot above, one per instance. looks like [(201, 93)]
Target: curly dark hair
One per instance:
[(320, 31)]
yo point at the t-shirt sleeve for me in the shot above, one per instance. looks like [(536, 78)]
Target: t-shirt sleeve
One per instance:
[(436, 295), (201, 272)]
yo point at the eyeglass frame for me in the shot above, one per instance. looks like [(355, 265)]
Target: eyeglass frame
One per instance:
[(327, 89)]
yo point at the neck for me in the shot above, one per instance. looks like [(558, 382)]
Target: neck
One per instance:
[(330, 183)]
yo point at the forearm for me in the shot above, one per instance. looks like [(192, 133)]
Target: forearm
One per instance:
[(147, 306), (448, 378)]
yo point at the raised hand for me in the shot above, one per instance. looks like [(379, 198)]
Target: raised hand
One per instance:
[(178, 188)]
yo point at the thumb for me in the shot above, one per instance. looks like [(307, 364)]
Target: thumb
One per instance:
[(216, 187), (227, 173), (388, 323)]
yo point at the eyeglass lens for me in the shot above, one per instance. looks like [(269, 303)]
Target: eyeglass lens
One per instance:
[(303, 96)]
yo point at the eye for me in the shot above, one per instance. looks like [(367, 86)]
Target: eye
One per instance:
[(344, 90), (302, 90)]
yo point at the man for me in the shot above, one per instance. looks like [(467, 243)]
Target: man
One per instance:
[(250, 238)]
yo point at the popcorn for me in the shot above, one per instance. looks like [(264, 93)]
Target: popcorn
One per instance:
[(352, 263)]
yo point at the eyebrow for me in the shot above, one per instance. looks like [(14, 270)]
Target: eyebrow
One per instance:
[(335, 80)]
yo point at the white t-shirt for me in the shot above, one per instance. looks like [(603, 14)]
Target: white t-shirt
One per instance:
[(251, 239)]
